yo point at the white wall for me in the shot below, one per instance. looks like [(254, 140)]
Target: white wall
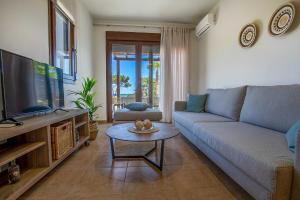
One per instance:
[(24, 30), (84, 34), (99, 59), (223, 63)]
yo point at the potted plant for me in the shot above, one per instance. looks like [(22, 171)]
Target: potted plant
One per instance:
[(86, 100)]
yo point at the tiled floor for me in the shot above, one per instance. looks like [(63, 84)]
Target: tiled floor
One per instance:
[(91, 174)]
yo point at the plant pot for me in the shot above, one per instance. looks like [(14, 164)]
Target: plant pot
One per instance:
[(93, 130)]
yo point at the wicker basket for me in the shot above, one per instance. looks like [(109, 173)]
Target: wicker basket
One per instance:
[(93, 130), (61, 139)]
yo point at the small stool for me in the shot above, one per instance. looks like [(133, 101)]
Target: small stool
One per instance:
[(125, 115)]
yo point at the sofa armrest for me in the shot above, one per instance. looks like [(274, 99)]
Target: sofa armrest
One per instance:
[(296, 181), (180, 105)]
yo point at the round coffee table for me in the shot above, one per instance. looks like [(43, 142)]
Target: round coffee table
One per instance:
[(120, 132)]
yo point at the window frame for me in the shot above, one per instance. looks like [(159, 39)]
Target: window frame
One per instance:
[(138, 39), (53, 9)]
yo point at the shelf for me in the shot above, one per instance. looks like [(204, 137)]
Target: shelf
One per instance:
[(56, 162), (28, 178), (79, 143), (34, 123), (36, 137), (82, 140), (13, 153), (79, 124)]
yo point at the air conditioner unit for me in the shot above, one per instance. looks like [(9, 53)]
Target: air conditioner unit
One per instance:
[(205, 24)]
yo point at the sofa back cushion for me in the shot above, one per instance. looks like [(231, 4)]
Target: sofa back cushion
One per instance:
[(225, 102), (273, 107)]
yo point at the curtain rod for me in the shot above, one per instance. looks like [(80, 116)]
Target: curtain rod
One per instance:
[(141, 24)]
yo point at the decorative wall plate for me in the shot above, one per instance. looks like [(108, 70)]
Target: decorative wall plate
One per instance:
[(282, 19), (248, 35)]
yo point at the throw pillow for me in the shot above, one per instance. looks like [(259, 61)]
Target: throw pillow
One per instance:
[(137, 106), (196, 103), (291, 136)]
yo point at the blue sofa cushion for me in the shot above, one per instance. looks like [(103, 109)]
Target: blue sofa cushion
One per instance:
[(137, 106), (291, 136), (225, 102), (196, 103), (273, 107)]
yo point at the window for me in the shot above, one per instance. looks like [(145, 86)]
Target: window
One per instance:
[(133, 69), (62, 42), (150, 73)]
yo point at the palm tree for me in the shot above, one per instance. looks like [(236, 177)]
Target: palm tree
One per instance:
[(156, 67), (145, 86), (155, 82), (124, 82)]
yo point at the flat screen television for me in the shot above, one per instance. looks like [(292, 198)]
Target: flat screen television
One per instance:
[(28, 86), (56, 87)]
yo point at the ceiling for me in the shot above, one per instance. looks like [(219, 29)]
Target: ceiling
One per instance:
[(170, 11)]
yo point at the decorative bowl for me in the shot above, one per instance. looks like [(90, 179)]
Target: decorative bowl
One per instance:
[(143, 130)]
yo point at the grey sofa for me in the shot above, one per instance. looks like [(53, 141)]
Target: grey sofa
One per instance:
[(243, 131)]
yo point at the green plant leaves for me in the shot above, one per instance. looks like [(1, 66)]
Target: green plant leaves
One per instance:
[(124, 81), (85, 97)]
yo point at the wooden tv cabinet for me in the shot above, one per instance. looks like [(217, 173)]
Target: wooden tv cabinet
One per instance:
[(30, 146)]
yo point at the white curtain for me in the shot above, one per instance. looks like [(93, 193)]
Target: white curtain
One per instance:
[(174, 68)]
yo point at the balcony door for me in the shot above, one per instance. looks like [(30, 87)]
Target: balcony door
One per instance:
[(133, 70)]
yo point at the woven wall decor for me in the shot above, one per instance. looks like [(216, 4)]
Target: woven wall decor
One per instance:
[(248, 35), (282, 19)]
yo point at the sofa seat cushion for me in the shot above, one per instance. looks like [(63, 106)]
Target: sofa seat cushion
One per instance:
[(257, 151), (187, 119), (128, 115)]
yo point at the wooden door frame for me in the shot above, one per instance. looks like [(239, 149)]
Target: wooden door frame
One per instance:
[(123, 37)]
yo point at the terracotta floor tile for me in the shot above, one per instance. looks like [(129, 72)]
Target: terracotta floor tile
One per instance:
[(104, 160), (137, 163), (141, 175), (104, 175), (91, 174)]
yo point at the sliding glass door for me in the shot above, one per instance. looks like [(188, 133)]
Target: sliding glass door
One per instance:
[(134, 73), (124, 74), (150, 74)]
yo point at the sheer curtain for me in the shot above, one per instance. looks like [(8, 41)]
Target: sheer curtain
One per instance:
[(174, 68)]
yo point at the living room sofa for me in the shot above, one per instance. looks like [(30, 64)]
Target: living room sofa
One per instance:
[(243, 131)]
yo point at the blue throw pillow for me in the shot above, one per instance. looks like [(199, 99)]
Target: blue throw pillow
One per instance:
[(137, 106), (291, 135), (196, 103)]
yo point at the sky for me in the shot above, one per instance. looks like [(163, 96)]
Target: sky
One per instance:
[(127, 68)]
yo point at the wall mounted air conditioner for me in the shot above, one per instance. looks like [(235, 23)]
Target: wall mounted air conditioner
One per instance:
[(205, 24)]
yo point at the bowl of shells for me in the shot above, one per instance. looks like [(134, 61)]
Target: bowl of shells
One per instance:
[(144, 127)]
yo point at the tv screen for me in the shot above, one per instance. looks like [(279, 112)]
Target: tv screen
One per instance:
[(56, 86), (28, 86)]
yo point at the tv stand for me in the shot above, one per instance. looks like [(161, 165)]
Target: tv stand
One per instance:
[(30, 146), (60, 109), (11, 121)]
